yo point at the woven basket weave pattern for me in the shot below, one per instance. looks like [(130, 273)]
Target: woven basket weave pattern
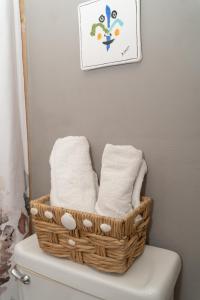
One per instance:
[(114, 251)]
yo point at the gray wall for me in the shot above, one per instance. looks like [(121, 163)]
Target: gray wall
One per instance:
[(153, 105)]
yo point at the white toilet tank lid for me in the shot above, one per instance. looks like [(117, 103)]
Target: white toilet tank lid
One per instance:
[(152, 276)]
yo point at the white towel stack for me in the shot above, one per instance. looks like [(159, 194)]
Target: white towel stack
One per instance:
[(138, 184), (120, 166), (74, 184), (73, 181)]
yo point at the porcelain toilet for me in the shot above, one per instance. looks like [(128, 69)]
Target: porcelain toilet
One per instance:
[(43, 277)]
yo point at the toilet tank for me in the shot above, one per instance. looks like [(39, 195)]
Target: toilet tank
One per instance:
[(44, 288), (43, 277)]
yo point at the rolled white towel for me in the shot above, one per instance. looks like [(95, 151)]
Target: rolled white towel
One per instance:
[(138, 184), (120, 166), (73, 181)]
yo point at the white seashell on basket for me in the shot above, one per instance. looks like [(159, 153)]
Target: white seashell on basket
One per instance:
[(48, 214), (71, 243), (105, 227), (68, 221), (34, 211), (138, 219), (87, 223)]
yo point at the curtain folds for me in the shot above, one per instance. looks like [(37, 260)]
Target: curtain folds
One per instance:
[(14, 190)]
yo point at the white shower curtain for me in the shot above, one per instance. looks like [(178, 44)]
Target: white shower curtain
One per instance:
[(14, 191)]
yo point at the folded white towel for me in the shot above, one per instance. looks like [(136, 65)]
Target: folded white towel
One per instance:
[(73, 181), (120, 166), (138, 184)]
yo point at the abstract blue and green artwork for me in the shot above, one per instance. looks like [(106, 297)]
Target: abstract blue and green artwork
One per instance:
[(110, 25), (109, 33)]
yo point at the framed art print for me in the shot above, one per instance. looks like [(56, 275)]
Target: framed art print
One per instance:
[(109, 32)]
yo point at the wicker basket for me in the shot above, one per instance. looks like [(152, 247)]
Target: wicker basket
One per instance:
[(112, 251)]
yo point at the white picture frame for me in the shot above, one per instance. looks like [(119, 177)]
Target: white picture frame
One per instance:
[(109, 33)]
